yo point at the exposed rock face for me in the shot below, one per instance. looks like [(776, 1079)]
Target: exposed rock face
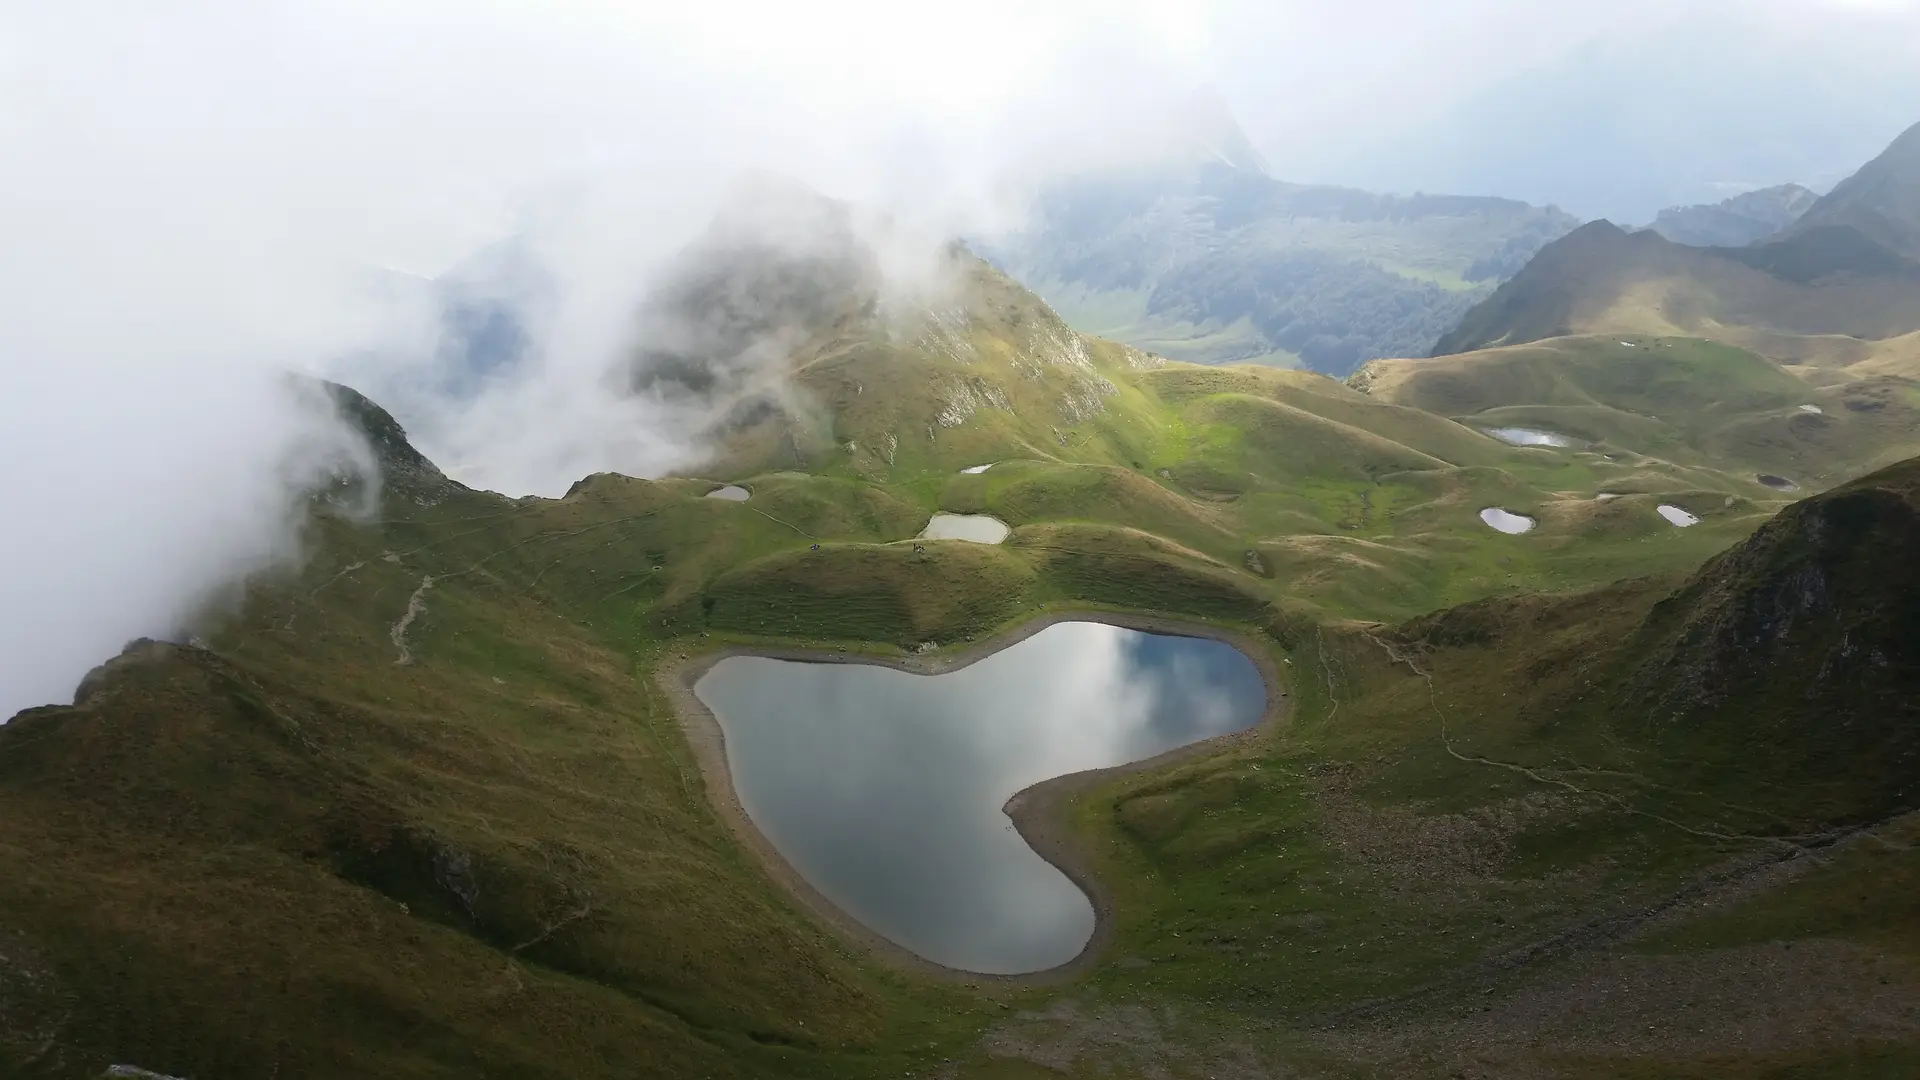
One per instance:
[(403, 470), (1805, 638), (1822, 596)]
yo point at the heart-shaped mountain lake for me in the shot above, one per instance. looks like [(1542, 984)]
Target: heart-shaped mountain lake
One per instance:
[(884, 789)]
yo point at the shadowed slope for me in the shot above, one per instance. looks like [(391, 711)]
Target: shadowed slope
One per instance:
[(1881, 201), (1602, 280), (1627, 798), (1848, 268)]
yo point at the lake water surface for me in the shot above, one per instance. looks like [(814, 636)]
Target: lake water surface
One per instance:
[(1520, 436), (1506, 521), (884, 789), (1677, 516), (979, 528)]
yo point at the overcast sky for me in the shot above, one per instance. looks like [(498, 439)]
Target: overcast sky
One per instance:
[(403, 131), (192, 194)]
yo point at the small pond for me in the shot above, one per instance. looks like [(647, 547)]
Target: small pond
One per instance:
[(1676, 516), (1777, 483), (884, 789), (731, 493), (1520, 436), (978, 528), (1506, 522)]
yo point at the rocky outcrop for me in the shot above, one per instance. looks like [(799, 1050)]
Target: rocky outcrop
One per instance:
[(1825, 598)]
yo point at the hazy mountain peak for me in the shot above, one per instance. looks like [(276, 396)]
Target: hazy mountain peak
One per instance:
[(1747, 218), (1790, 198), (779, 264), (1881, 201), (769, 209), (1207, 125)]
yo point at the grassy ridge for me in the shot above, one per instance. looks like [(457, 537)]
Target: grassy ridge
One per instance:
[(496, 859), (1451, 790), (1682, 402)]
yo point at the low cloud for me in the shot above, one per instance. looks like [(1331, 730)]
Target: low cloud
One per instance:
[(135, 497), (201, 197)]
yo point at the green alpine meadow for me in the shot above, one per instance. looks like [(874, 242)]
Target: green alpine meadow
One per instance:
[(1506, 659)]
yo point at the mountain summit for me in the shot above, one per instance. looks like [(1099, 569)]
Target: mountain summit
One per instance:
[(1206, 124), (1881, 201), (1840, 286)]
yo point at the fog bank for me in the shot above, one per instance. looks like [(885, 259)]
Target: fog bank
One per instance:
[(200, 197)]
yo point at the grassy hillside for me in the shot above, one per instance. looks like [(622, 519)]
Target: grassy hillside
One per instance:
[(418, 811), (1251, 466), (418, 808), (1553, 835), (1683, 401)]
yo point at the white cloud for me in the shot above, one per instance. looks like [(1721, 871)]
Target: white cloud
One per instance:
[(195, 192)]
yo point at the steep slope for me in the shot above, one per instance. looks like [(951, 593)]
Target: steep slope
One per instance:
[(1541, 833), (782, 331), (1805, 639), (1843, 272), (1600, 279), (1747, 218), (1786, 665), (1206, 258), (417, 809), (1205, 128), (1881, 201)]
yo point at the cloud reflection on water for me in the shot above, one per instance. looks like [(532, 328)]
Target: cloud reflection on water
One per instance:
[(884, 788)]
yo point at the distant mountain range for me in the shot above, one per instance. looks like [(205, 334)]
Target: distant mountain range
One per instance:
[(1839, 286), (1881, 202), (1203, 256), (1744, 219), (1663, 115)]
